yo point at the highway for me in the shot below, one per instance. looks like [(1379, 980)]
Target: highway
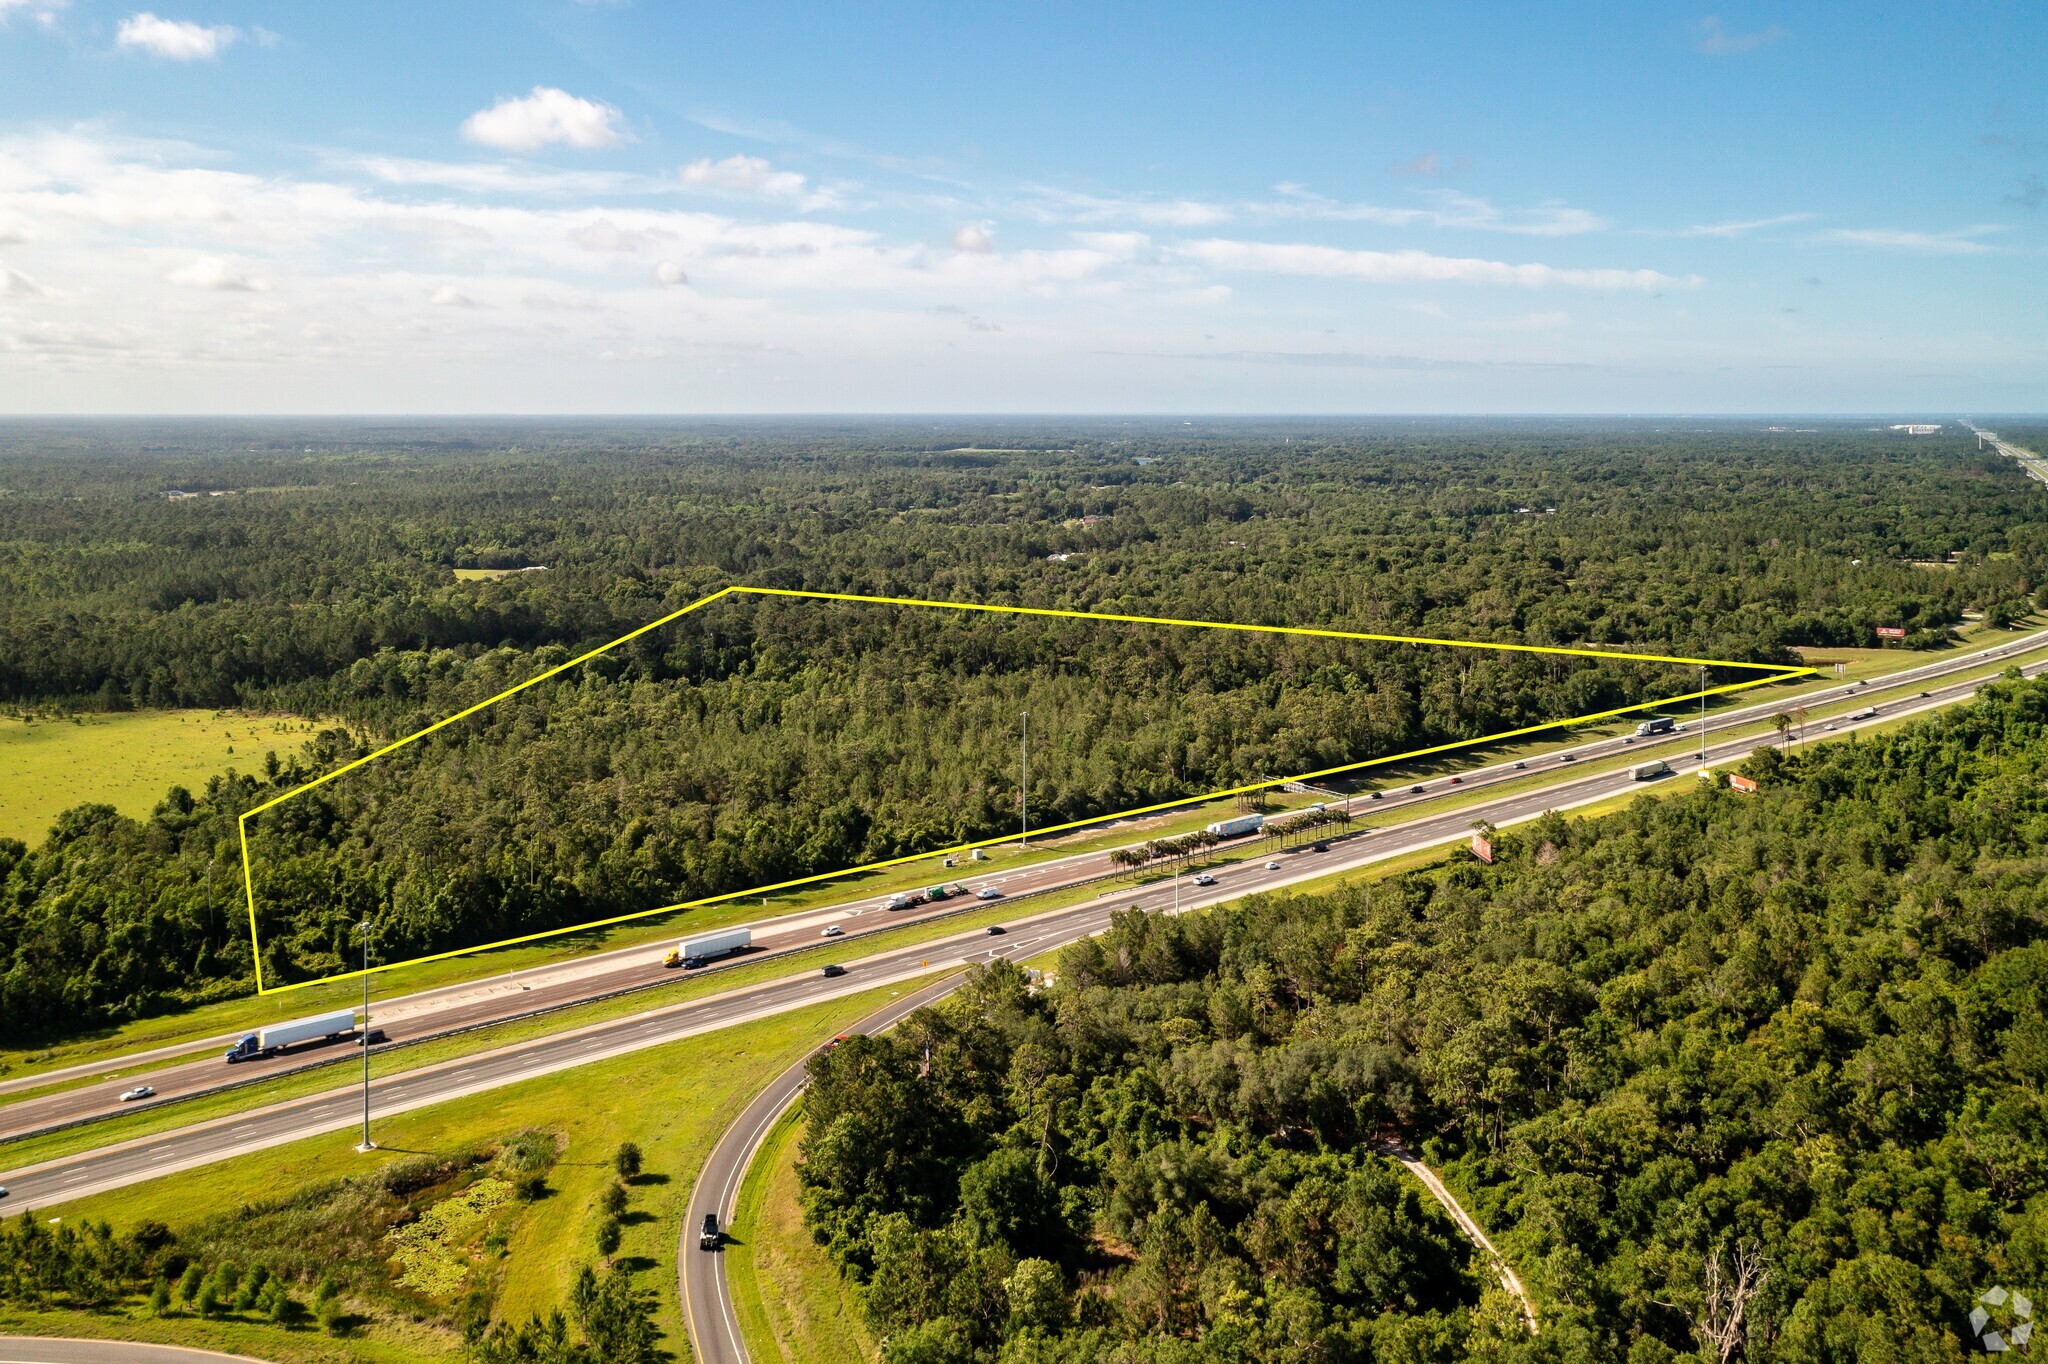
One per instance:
[(909, 968), (496, 999)]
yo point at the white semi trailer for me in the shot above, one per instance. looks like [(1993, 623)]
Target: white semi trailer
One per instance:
[(278, 1036), (1233, 828), (697, 951)]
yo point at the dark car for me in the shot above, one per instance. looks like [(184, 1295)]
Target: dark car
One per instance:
[(833, 970), (996, 930), (1416, 790), (376, 1035), (1379, 795), (709, 1238), (1322, 847), (1567, 757)]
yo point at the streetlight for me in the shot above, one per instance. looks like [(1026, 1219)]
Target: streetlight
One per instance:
[(367, 1145), (1703, 715), (1024, 785)]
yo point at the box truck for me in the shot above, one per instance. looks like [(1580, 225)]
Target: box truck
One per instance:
[(278, 1036), (1233, 828), (697, 951)]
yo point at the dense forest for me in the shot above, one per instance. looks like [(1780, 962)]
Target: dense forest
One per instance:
[(1728, 1077), (313, 570)]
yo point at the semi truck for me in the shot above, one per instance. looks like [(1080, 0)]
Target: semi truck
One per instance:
[(1235, 828), (1650, 771), (696, 951), (1656, 724), (278, 1036)]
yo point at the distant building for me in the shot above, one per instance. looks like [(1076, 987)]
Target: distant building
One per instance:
[(1917, 428)]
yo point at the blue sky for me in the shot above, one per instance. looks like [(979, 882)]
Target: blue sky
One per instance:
[(220, 206)]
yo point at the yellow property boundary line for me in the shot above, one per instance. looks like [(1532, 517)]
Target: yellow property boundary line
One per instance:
[(1774, 672)]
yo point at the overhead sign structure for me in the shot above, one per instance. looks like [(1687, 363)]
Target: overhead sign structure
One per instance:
[(1765, 673)]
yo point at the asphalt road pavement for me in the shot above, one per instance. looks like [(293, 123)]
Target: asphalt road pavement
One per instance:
[(41, 1350)]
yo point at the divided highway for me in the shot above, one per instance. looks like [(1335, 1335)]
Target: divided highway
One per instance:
[(202, 1143), (517, 994)]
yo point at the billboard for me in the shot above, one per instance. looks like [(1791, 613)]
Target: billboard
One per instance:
[(1891, 632), (1482, 849), (1741, 783)]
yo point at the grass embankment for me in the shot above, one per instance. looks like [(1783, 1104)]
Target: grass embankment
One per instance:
[(52, 763), (193, 1026), (673, 1101), (791, 1301)]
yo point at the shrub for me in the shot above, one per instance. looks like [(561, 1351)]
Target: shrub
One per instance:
[(627, 1160), (613, 1200), (188, 1284), (160, 1298)]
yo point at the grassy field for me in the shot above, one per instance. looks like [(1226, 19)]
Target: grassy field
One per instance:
[(673, 1101), (791, 1301), (128, 761)]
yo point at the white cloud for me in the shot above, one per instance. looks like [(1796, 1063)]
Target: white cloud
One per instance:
[(1411, 267), (211, 272), (545, 117), (668, 272), (1963, 241), (1448, 208), (490, 177), (973, 237), (448, 296), (754, 177), (1744, 226), (14, 284), (1716, 41), (178, 40), (1058, 205)]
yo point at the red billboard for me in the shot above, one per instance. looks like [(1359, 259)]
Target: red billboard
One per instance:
[(1740, 782), (1891, 632), (1482, 848)]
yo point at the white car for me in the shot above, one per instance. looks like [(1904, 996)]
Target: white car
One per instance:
[(1272, 866), (830, 931), (988, 893), (1205, 880), (139, 1092)]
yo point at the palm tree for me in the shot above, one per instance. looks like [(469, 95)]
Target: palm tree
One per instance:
[(1783, 724)]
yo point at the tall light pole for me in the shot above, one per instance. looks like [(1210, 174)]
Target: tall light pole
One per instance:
[(1703, 715), (367, 1144), (1024, 785)]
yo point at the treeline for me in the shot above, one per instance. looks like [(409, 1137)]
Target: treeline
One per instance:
[(1786, 1054), (1715, 543), (763, 739)]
